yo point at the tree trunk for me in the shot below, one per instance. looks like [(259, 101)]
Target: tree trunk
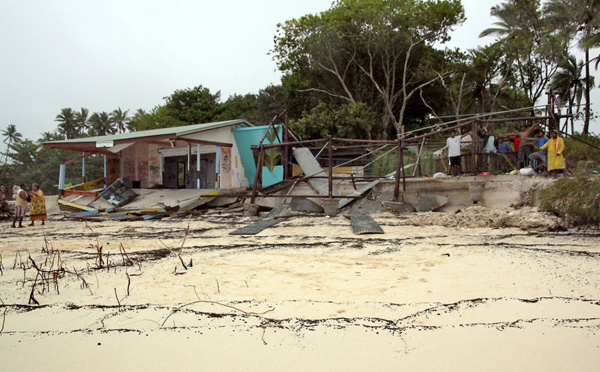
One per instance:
[(586, 124)]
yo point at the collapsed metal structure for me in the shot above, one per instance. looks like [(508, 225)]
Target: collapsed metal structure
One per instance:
[(331, 144)]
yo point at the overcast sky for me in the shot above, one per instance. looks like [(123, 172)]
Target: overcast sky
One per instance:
[(130, 54)]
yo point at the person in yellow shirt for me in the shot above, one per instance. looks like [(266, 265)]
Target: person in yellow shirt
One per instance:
[(556, 148), (37, 210)]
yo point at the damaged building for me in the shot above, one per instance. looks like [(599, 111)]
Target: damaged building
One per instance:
[(200, 156)]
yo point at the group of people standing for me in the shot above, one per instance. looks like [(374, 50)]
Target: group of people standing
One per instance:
[(549, 154), (22, 197)]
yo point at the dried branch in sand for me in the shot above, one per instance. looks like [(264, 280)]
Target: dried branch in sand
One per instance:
[(99, 259), (118, 301), (126, 260), (183, 242), (214, 303), (3, 318)]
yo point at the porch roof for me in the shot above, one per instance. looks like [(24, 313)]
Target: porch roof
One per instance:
[(101, 144)]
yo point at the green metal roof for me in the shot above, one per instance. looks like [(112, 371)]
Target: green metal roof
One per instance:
[(174, 131)]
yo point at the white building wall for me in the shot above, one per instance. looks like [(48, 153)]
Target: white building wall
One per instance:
[(229, 156)]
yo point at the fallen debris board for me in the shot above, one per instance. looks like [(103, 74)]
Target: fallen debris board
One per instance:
[(364, 224), (256, 227), (195, 202), (118, 194), (66, 206), (311, 167), (358, 192)]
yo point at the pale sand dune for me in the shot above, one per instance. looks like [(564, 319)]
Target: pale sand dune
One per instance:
[(307, 294)]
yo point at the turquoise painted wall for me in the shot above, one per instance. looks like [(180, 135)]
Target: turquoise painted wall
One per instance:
[(246, 137)]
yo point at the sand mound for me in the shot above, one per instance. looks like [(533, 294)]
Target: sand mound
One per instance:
[(530, 219)]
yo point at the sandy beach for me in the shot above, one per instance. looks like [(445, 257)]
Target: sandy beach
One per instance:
[(479, 289)]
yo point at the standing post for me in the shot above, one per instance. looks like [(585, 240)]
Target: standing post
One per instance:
[(189, 165), (198, 166), (402, 159), (285, 149), (83, 169), (217, 166), (258, 173), (330, 145), (105, 171), (399, 164), (61, 179), (474, 146)]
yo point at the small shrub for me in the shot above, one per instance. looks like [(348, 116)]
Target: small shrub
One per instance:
[(575, 199)]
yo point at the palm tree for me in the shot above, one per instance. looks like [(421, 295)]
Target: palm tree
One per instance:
[(81, 118), (101, 124), (569, 84), (572, 17), (50, 136), (120, 119), (67, 123), (530, 49), (11, 135)]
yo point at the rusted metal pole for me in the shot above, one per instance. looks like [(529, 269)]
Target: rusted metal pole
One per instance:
[(286, 149), (330, 145), (475, 146), (402, 159), (255, 147), (258, 172), (438, 131)]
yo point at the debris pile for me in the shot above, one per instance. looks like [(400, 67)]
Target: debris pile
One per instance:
[(530, 219)]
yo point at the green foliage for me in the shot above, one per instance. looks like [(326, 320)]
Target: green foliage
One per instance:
[(193, 105), (238, 106), (101, 124), (531, 53), (272, 155), (576, 151), (346, 121), (68, 125), (30, 162), (158, 117), (378, 53), (575, 199)]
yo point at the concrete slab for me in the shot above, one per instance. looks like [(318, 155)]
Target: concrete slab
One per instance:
[(429, 203)]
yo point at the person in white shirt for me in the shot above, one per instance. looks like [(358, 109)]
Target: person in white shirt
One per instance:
[(453, 145)]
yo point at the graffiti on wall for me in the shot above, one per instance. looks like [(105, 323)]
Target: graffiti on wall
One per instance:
[(142, 172), (154, 168), (225, 176)]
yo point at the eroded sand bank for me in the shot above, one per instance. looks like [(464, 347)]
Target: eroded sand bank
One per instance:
[(485, 289)]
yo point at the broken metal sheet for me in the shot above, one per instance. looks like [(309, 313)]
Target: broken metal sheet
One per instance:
[(305, 205), (270, 220), (311, 167), (279, 210), (364, 224), (118, 194), (358, 192), (256, 227), (102, 217)]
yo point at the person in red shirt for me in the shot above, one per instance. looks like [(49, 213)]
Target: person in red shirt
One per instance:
[(516, 142)]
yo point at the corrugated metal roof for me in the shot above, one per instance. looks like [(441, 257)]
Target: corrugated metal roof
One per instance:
[(175, 131)]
